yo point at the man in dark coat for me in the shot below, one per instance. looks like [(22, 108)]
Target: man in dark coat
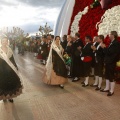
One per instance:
[(95, 43), (111, 57), (99, 62), (86, 57), (68, 51), (64, 42), (44, 49), (76, 65)]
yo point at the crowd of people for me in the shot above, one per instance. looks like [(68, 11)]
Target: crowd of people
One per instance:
[(86, 58), (89, 57)]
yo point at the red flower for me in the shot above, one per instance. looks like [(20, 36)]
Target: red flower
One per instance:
[(88, 21)]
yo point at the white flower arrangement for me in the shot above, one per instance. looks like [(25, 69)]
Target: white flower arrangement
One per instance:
[(110, 21), (75, 25)]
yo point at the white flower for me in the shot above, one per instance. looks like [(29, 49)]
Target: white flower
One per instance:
[(110, 21), (80, 13), (75, 25), (85, 10)]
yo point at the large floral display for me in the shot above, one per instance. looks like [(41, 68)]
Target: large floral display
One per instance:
[(89, 18)]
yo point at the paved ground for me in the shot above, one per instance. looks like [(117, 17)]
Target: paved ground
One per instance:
[(44, 102)]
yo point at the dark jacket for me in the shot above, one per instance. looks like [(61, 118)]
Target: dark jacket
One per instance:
[(87, 51), (68, 49), (75, 45), (99, 55), (112, 52), (64, 44), (44, 50)]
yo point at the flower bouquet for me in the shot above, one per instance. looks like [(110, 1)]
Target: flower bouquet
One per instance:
[(67, 59)]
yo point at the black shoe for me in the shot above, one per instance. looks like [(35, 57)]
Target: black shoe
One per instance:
[(98, 88), (85, 85), (110, 94), (11, 100), (61, 86), (94, 85), (43, 63), (82, 82), (69, 76), (91, 75), (5, 100), (75, 80), (102, 90)]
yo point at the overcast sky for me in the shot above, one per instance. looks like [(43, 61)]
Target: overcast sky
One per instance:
[(29, 14)]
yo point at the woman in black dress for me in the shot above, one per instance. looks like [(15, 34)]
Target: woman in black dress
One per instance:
[(10, 85), (56, 72)]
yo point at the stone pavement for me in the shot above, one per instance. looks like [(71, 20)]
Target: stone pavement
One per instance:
[(43, 102)]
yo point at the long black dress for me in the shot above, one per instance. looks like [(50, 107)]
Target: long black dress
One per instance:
[(59, 71), (58, 65), (10, 85)]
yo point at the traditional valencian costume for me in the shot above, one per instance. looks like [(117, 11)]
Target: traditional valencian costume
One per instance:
[(55, 70), (10, 84)]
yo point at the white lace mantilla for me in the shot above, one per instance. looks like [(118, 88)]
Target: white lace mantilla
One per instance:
[(49, 64), (6, 57), (9, 53)]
